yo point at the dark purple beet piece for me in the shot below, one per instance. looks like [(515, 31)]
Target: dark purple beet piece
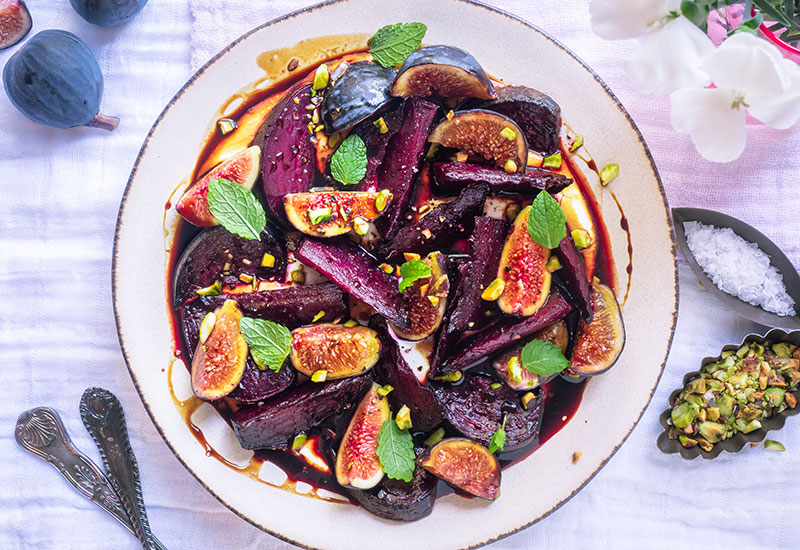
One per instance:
[(203, 261), (400, 501), (287, 154), (357, 273), (393, 369), (274, 424), (476, 411), (451, 177), (443, 225), (507, 331), (376, 143), (402, 160), (573, 274), (257, 384)]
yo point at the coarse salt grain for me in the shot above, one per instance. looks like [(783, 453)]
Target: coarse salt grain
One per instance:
[(738, 267)]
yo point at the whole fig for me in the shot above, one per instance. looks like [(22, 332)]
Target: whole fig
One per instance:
[(55, 80), (108, 13)]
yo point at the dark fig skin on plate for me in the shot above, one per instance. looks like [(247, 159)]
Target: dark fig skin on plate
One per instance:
[(361, 91), (451, 177), (443, 71)]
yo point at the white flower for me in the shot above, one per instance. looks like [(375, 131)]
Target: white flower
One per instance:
[(748, 74), (619, 19)]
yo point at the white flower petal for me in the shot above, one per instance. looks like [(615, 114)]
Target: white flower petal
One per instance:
[(619, 19), (783, 110), (716, 128), (747, 64), (669, 58)]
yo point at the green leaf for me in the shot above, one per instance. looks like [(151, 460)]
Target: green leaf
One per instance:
[(236, 208), (498, 440), (396, 451), (411, 271), (349, 161), (543, 358), (547, 221), (392, 44), (269, 343)]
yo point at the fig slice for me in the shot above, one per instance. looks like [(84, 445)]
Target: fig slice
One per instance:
[(523, 271), (598, 344), (444, 71), (332, 213), (509, 363), (451, 177), (486, 134), (219, 361), (15, 22), (357, 463), (426, 300), (339, 351), (242, 168), (361, 91), (465, 464)]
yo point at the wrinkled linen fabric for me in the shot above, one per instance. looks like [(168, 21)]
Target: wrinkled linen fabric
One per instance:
[(59, 196)]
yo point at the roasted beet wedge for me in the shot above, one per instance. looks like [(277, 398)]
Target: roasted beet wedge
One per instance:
[(358, 93), (376, 136), (357, 273), (452, 177), (274, 424), (573, 274), (203, 261), (443, 71), (536, 113), (257, 384), (392, 369), (287, 154), (443, 225), (398, 500), (402, 160), (507, 331), (476, 411)]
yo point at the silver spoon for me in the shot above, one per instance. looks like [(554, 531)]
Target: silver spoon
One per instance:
[(41, 432)]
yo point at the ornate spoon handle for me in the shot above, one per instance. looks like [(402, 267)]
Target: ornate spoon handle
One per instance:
[(102, 415), (41, 432)]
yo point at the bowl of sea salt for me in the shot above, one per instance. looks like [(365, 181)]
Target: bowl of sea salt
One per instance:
[(739, 265)]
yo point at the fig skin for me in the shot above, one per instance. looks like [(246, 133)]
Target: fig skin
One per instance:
[(523, 269), (557, 333), (573, 274), (478, 132), (598, 345), (451, 177), (361, 91), (219, 362), (425, 315), (274, 424), (344, 207), (476, 411), (357, 463), (444, 71), (376, 144), (341, 351), (465, 464)]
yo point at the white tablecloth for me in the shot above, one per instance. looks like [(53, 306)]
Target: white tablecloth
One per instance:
[(59, 194)]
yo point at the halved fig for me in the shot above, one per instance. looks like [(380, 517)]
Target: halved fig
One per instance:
[(242, 169), (358, 93), (536, 113), (451, 177), (465, 464), (509, 364), (220, 359), (579, 217), (485, 134), (332, 213), (15, 22), (357, 463), (444, 71), (523, 270), (425, 300), (598, 344), (338, 350)]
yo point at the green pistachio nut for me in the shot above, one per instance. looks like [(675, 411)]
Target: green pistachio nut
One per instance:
[(712, 431), (682, 415)]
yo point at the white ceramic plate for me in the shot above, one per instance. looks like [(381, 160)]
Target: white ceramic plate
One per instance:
[(140, 299)]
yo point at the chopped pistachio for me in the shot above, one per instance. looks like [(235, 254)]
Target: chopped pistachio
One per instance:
[(411, 256), (380, 124), (427, 233), (298, 276), (321, 77), (318, 316), (553, 264), (319, 376), (211, 290), (682, 415), (268, 260), (713, 413), (299, 441), (494, 290), (435, 437), (576, 456), (510, 166), (350, 323), (226, 126), (334, 140), (386, 268), (751, 426), (577, 143), (512, 210), (403, 418), (434, 300), (581, 238), (318, 215), (774, 396), (207, 325), (782, 349), (382, 200), (360, 225), (508, 133), (527, 397), (246, 278), (450, 114), (495, 385), (608, 173), (772, 445), (514, 368), (687, 441), (450, 376), (698, 385), (383, 391), (553, 161)]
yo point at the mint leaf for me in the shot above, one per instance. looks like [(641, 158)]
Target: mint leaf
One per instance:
[(498, 440), (392, 44), (543, 358), (236, 208), (349, 161), (411, 271), (546, 221), (269, 343), (396, 451)]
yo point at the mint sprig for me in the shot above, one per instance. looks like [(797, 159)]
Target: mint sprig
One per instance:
[(543, 357), (546, 221), (269, 343), (236, 208), (349, 161), (411, 271), (392, 44), (498, 440), (396, 451)]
